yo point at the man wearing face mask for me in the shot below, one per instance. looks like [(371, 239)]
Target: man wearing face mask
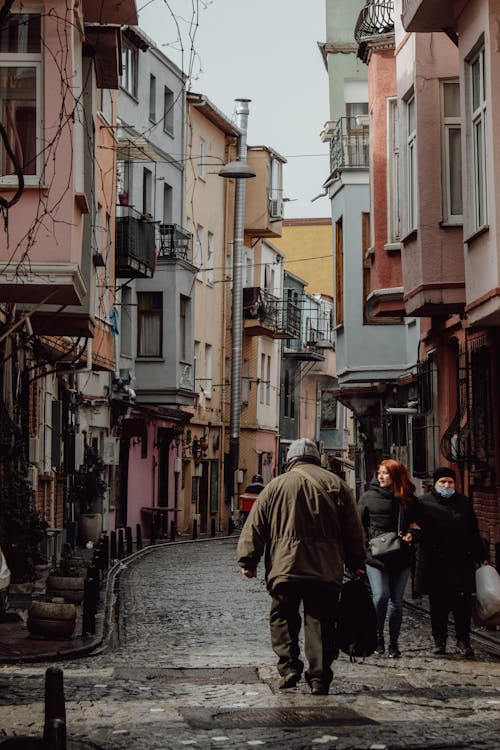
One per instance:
[(450, 550)]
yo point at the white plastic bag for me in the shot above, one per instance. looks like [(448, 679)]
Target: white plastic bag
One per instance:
[(487, 592)]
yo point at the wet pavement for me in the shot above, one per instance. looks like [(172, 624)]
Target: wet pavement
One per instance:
[(186, 661)]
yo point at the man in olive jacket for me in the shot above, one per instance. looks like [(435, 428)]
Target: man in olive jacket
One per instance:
[(306, 524)]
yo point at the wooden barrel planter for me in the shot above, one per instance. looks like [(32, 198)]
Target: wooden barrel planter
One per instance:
[(51, 619), (70, 588)]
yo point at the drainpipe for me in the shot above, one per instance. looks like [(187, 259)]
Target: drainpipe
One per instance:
[(242, 112)]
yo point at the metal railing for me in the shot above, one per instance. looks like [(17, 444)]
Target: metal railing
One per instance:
[(135, 238), (281, 315), (349, 146), (175, 242), (376, 18)]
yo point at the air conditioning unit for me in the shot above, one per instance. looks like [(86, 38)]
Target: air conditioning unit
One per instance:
[(275, 208)]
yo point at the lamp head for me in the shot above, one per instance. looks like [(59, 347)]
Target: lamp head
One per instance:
[(237, 170)]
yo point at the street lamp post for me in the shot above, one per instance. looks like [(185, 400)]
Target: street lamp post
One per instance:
[(240, 171)]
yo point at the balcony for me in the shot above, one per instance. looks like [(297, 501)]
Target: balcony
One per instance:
[(176, 243), (135, 246), (374, 20), (305, 351), (428, 15), (267, 315), (349, 146)]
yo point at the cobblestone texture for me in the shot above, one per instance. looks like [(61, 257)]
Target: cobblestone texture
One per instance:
[(194, 667)]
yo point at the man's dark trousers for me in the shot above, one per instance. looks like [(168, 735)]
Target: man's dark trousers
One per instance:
[(320, 609)]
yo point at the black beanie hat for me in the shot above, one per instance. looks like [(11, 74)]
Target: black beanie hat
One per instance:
[(444, 471)]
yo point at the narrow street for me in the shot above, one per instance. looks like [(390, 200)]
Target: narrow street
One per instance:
[(192, 666)]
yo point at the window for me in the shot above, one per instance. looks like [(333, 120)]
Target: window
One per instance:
[(167, 204), (210, 258), (197, 366), (339, 273), (262, 385), (183, 327), (147, 190), (269, 278), (329, 409), (168, 111), (130, 64), (20, 93), (149, 324), (152, 98), (477, 108), (452, 153), (248, 271), (201, 163), (245, 381), (356, 113), (268, 381), (199, 249), (411, 164), (126, 322), (208, 371), (393, 213)]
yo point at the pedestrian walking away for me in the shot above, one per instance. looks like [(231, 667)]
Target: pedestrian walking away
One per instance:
[(248, 498), (386, 507), (306, 526), (450, 550)]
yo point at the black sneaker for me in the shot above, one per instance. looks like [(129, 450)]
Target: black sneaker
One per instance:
[(288, 680), (380, 649), (318, 687), (394, 652), (440, 649), (465, 650)]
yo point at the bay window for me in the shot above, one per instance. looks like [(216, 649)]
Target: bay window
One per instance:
[(452, 153), (149, 324), (20, 94), (477, 114)]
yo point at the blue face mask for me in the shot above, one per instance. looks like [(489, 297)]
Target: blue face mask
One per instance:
[(445, 491)]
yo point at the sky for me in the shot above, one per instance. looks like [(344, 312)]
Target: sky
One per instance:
[(266, 51)]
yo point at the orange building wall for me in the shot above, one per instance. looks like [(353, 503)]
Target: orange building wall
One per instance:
[(307, 245)]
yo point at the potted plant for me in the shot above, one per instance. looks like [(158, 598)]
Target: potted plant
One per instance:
[(88, 492), (65, 580)]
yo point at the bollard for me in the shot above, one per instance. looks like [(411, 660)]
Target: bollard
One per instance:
[(128, 539), (54, 696), (54, 735), (172, 531), (112, 546), (120, 543), (195, 528), (88, 609), (212, 527), (153, 533), (138, 536), (230, 526), (105, 550)]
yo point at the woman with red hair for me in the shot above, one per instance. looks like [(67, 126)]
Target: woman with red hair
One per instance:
[(386, 506)]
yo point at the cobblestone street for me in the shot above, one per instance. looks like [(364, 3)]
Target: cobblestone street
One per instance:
[(192, 666)]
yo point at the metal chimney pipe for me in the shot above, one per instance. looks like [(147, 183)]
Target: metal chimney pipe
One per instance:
[(242, 112)]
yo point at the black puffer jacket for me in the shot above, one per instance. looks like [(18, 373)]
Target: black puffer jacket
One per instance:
[(450, 543), (379, 511)]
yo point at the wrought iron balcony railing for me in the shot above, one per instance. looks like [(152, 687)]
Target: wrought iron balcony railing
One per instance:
[(376, 18), (175, 242), (135, 246), (349, 146), (280, 317)]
